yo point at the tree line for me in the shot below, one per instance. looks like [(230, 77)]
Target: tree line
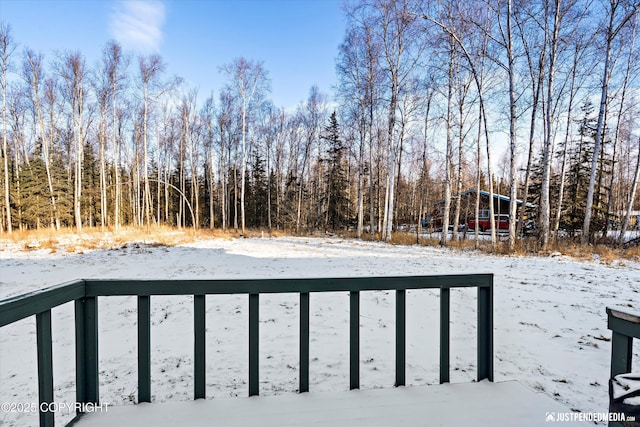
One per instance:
[(426, 91)]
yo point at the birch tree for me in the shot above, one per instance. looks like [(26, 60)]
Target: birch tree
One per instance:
[(507, 37), (351, 68), (7, 46), (619, 13), (248, 80), (632, 194), (114, 65), (477, 77), (545, 208), (150, 69), (401, 48), (152, 88), (575, 85), (535, 51), (33, 74), (632, 67), (72, 69)]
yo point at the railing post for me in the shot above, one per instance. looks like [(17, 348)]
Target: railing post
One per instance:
[(199, 351), (485, 333), (401, 296), (621, 353), (45, 366), (144, 348), (354, 340), (86, 320), (254, 344), (624, 328), (444, 334), (304, 342)]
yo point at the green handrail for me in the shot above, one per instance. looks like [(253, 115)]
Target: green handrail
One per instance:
[(86, 293)]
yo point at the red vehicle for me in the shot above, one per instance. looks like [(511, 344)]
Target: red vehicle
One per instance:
[(502, 223)]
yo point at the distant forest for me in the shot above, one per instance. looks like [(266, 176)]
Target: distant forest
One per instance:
[(426, 90)]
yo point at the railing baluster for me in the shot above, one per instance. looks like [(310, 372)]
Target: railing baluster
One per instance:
[(621, 353), (86, 319), (254, 343), (304, 342), (144, 348), (354, 340), (81, 361), (45, 365), (401, 298), (444, 334), (485, 333), (199, 351)]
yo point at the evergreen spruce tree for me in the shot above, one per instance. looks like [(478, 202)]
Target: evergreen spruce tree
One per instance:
[(275, 201), (578, 177), (289, 200), (62, 189), (258, 192), (36, 212), (90, 203), (336, 200)]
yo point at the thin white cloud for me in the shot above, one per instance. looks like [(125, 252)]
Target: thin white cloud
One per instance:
[(137, 24)]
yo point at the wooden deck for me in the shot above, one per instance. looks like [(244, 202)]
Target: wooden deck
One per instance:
[(469, 404)]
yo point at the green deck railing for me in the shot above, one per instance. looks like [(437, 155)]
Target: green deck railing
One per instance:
[(85, 294)]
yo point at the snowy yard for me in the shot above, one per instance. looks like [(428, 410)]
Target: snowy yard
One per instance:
[(549, 318)]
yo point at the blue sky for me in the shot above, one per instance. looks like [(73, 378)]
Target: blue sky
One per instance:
[(296, 39)]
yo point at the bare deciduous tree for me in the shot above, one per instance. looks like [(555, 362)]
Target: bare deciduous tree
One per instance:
[(249, 80), (614, 25), (72, 69), (7, 46)]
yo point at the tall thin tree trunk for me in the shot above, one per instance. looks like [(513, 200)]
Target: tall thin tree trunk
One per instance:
[(625, 83), (610, 34), (115, 143), (244, 164), (449, 149), (513, 193), (361, 176), (34, 74), (563, 171), (145, 161), (632, 194), (5, 47), (103, 175), (545, 203), (389, 207), (372, 213)]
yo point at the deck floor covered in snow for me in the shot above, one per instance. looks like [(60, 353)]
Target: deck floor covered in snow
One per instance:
[(468, 404)]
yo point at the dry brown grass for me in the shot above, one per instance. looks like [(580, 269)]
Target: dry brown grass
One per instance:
[(402, 238), (603, 253), (93, 238), (522, 247), (69, 240), (632, 253)]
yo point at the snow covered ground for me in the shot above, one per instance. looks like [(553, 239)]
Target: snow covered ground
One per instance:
[(549, 318)]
